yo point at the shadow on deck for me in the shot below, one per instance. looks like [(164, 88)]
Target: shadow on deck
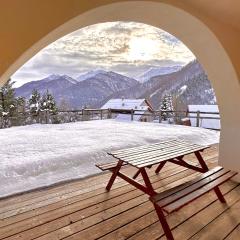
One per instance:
[(82, 210)]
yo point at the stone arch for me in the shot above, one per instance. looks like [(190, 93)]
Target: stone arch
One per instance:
[(193, 33)]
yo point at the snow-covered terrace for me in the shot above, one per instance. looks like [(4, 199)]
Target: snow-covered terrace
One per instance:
[(41, 155)]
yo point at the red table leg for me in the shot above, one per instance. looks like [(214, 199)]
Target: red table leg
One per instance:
[(201, 161), (136, 174), (164, 223), (147, 182), (114, 175), (160, 166)]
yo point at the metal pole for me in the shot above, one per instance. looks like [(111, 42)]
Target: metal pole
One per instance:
[(160, 116), (131, 114), (198, 118)]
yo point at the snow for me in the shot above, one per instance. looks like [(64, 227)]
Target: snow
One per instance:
[(90, 74), (40, 155), (128, 117), (182, 89), (53, 77), (205, 123)]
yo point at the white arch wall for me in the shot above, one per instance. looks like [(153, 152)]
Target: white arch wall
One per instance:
[(191, 32)]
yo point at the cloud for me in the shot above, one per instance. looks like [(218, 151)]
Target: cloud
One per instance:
[(118, 46)]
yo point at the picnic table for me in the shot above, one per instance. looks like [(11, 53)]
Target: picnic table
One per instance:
[(159, 154), (146, 156)]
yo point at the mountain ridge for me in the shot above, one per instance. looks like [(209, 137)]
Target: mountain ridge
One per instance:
[(100, 86)]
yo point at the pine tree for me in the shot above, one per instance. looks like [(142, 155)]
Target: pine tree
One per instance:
[(34, 102), (48, 103), (166, 105), (21, 104), (7, 100)]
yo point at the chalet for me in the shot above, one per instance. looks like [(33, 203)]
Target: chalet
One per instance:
[(206, 112), (123, 109)]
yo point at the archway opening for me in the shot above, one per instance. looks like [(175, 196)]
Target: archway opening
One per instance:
[(165, 74)]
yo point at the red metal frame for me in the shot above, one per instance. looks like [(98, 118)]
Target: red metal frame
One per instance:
[(181, 162), (163, 222), (148, 188), (160, 166), (114, 175)]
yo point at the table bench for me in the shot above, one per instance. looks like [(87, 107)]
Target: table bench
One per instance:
[(172, 151), (107, 166), (175, 198)]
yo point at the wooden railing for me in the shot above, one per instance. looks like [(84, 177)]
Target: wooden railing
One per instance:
[(100, 114)]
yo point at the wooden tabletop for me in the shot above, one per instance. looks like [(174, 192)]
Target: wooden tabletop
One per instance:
[(151, 154)]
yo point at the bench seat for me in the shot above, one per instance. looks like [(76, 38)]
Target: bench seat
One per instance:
[(108, 166), (175, 198)]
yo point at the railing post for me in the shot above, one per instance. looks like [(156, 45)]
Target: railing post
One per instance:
[(132, 114), (101, 113), (160, 116), (82, 114), (47, 116), (109, 113), (198, 118)]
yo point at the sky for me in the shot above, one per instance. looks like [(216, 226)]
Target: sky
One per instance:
[(128, 48)]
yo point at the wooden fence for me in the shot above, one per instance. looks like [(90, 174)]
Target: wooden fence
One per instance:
[(64, 116)]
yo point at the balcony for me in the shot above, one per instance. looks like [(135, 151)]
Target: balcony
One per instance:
[(84, 210)]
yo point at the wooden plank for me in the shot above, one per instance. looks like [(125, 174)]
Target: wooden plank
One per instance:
[(108, 166), (235, 233), (130, 231), (46, 224), (163, 158), (157, 148), (35, 206), (50, 197), (154, 231), (65, 188), (54, 214), (159, 152), (177, 189), (223, 224), (204, 182), (196, 194), (208, 216), (108, 225), (142, 147), (151, 147), (65, 210)]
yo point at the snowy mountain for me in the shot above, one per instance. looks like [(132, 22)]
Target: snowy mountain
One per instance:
[(152, 72), (189, 84), (54, 83), (88, 92)]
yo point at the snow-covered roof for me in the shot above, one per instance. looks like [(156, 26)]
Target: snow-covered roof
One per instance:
[(205, 123), (128, 104)]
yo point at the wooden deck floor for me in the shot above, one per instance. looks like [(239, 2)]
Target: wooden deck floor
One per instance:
[(82, 210)]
